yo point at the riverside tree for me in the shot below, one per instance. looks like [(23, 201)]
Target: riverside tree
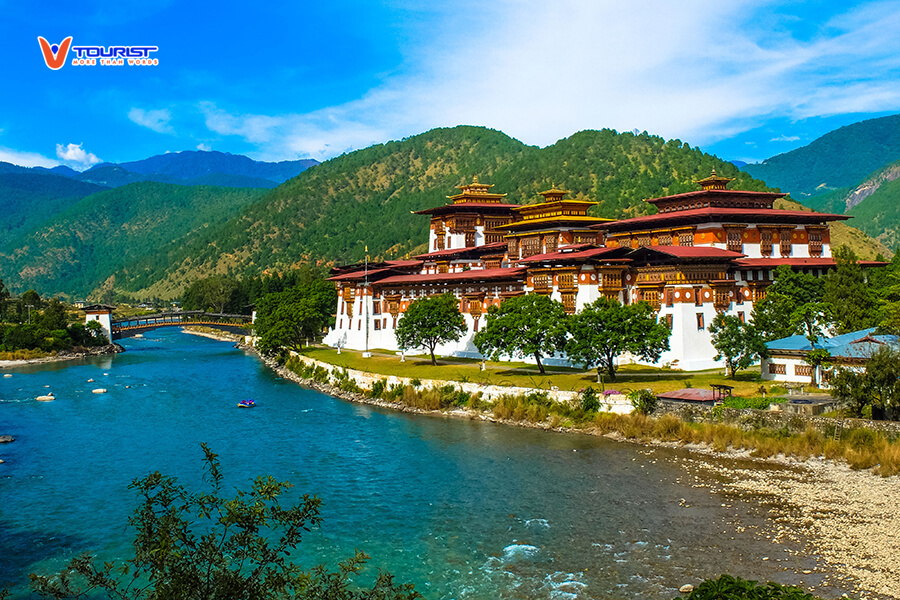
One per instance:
[(529, 325), (203, 546), (605, 329), (285, 319), (852, 302), (740, 344), (430, 322)]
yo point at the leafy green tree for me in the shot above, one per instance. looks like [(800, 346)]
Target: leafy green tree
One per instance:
[(210, 293), (852, 302), (285, 319), (605, 329), (4, 297), (775, 316), (851, 389), (201, 545), (812, 320), (740, 344), (430, 322), (53, 316), (877, 386), (529, 325)]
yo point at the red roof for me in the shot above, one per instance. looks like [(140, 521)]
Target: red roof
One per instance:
[(798, 262), (688, 394), (483, 249), (713, 214), (569, 255), (463, 206), (471, 275), (359, 274), (720, 193), (692, 251)]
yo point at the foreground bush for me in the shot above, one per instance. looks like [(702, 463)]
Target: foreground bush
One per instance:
[(201, 546), (727, 587)]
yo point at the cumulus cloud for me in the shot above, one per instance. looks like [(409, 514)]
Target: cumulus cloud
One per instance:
[(73, 155), (540, 71), (155, 120), (204, 147)]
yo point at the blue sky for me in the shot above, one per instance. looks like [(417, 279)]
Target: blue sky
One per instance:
[(744, 79)]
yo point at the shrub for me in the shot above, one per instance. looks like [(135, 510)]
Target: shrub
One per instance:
[(727, 587), (643, 401), (589, 400)]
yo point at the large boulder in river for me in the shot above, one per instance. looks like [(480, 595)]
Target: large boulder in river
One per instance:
[(6, 439)]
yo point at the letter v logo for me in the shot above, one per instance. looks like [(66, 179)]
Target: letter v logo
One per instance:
[(55, 56)]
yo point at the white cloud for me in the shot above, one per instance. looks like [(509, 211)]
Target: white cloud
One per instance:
[(699, 70), (75, 156), (785, 138), (156, 120), (204, 147), (26, 159)]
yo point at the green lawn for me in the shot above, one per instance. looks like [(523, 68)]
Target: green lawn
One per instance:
[(628, 377)]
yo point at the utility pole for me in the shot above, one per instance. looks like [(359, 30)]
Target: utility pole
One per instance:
[(29, 307)]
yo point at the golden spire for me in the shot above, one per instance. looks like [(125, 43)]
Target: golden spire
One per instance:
[(714, 182)]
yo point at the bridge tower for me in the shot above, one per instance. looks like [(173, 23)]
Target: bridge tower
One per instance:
[(103, 314)]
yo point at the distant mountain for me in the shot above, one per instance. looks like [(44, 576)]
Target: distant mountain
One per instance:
[(839, 159), (191, 167), (95, 236)]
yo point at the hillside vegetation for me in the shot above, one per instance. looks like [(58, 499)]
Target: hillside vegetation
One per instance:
[(107, 231), (839, 159), (332, 212)]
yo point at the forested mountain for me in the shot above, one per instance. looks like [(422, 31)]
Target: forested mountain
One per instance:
[(27, 199), (104, 232), (839, 159), (332, 212)]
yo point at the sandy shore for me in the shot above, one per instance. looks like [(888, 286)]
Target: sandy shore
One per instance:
[(849, 520), (222, 337), (97, 351)]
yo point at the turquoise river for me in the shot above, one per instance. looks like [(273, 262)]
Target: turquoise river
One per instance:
[(463, 509)]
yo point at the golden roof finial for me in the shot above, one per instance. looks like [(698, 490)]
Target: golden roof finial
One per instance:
[(714, 181), (475, 179)]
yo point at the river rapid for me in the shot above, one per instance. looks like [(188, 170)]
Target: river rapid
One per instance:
[(462, 509)]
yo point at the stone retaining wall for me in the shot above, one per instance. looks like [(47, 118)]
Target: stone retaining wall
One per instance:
[(616, 403), (749, 418)]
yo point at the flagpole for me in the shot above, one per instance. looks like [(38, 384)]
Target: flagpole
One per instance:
[(366, 354)]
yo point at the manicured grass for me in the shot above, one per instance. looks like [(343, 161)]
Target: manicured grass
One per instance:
[(628, 377)]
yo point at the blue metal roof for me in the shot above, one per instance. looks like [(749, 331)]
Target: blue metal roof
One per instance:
[(856, 344)]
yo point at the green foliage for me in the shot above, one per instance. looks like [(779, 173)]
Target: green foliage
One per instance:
[(49, 330), (644, 401), (841, 158), (529, 325), (200, 545), (878, 386), (430, 322), (284, 320), (740, 344), (216, 294), (791, 305), (589, 399), (727, 587), (604, 329), (851, 301)]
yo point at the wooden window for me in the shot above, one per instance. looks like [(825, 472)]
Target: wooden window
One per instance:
[(665, 239), (569, 302), (377, 325), (565, 280), (685, 239), (733, 240), (741, 317), (531, 246), (670, 297), (550, 243), (542, 282), (376, 308), (670, 321), (701, 324), (785, 243), (815, 243), (777, 369), (765, 243), (803, 370), (698, 296), (643, 241), (512, 248), (470, 239)]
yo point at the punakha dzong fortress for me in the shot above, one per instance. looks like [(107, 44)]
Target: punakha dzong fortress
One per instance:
[(705, 252)]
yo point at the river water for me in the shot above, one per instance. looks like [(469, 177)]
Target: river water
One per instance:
[(463, 509)]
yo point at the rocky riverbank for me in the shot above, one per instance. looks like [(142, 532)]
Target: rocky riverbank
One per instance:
[(80, 352), (848, 519), (207, 332)]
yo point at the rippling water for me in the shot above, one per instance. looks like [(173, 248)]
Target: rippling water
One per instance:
[(463, 509)]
